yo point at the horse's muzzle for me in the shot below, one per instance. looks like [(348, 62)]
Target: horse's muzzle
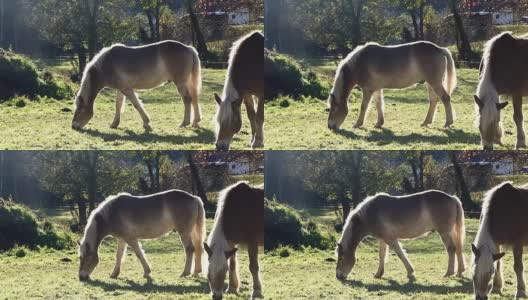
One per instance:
[(83, 277), (340, 277), (217, 297), (222, 146)]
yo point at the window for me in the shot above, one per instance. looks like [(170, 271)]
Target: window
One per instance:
[(497, 17)]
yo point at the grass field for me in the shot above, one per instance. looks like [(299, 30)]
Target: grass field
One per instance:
[(303, 124), (47, 124), (310, 274)]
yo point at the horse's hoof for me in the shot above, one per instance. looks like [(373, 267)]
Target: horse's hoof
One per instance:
[(425, 124), (411, 277), (520, 294), (183, 125), (520, 145), (378, 126), (114, 125), (358, 126), (496, 290), (448, 125), (196, 125), (257, 144), (256, 294), (147, 127), (114, 275), (232, 290), (185, 274), (449, 273), (378, 275)]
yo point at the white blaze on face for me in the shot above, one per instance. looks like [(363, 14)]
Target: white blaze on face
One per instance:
[(483, 270)]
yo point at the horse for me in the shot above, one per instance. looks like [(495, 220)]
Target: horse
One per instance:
[(239, 220), (391, 218), (132, 218), (502, 222), (244, 81), (373, 67), (502, 72), (128, 68)]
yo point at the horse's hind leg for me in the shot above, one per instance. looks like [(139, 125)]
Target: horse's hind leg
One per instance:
[(367, 95), (446, 100), (383, 247), (519, 271), (395, 245), (255, 272), (120, 257), (189, 249), (197, 114), (136, 246), (519, 121), (197, 241), (497, 279), (380, 107), (258, 139), (187, 102), (250, 109), (433, 101), (139, 107), (120, 101), (234, 280), (449, 243)]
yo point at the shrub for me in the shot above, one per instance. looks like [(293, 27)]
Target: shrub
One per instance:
[(19, 226), (283, 75), (284, 226), (20, 102), (20, 251)]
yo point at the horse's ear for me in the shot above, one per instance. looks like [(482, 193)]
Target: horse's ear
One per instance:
[(208, 250), (218, 99), (475, 250), (478, 101), (230, 253), (498, 256), (502, 105)]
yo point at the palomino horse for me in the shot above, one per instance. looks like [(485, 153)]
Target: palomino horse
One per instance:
[(128, 68), (502, 222), (244, 81), (373, 67), (502, 72), (239, 220), (132, 218), (390, 218)]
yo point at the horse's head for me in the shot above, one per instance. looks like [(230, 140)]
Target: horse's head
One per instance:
[(352, 235), (83, 113), (483, 269), (338, 111), (217, 269), (89, 258), (346, 259), (490, 125), (228, 120)]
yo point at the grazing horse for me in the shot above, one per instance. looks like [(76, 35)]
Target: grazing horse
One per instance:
[(502, 222), (128, 68), (390, 218), (244, 81), (503, 71), (239, 220), (373, 67), (132, 218)]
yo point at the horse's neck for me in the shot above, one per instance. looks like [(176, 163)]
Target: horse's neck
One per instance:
[(94, 235), (486, 88), (230, 92), (218, 237), (484, 238), (342, 87)]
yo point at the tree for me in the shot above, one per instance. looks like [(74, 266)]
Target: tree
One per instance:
[(198, 38), (465, 195), (196, 181), (463, 45)]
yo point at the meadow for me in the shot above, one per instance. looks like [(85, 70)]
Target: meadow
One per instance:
[(45, 123), (302, 123)]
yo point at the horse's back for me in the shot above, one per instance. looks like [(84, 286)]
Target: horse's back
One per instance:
[(508, 59), (247, 64)]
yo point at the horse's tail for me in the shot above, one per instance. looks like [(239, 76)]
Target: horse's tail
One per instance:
[(450, 81), (196, 76), (460, 227), (198, 235)]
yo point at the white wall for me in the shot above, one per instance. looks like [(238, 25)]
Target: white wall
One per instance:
[(238, 17), (502, 18)]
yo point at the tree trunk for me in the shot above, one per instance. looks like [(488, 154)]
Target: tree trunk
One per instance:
[(421, 162), (465, 196), (464, 47), (412, 12), (346, 207), (92, 158), (81, 54), (201, 45), (81, 204), (422, 7), (197, 182)]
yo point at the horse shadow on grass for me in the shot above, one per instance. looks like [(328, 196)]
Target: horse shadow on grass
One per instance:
[(204, 136), (464, 286), (200, 286), (385, 136)]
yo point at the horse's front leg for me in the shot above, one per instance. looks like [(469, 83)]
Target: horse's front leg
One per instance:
[(519, 271), (519, 121), (129, 93), (497, 278), (234, 281), (446, 100), (255, 272), (136, 245), (187, 101), (395, 245), (367, 95), (258, 140), (250, 109), (380, 107), (189, 249), (120, 107), (383, 250), (120, 257), (433, 101)]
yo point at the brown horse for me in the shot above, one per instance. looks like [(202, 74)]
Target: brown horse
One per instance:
[(239, 220), (391, 218), (132, 218), (129, 68), (503, 222), (503, 71), (245, 80)]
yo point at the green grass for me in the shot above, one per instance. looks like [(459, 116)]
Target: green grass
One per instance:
[(303, 124), (46, 124), (50, 274), (310, 274)]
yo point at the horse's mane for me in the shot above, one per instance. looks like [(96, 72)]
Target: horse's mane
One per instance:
[(223, 196), (490, 198)]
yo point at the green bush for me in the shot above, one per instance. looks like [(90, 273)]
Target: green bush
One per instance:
[(19, 226), (21, 102), (284, 226), (19, 76), (283, 75)]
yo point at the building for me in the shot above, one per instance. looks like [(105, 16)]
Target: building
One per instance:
[(502, 17)]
